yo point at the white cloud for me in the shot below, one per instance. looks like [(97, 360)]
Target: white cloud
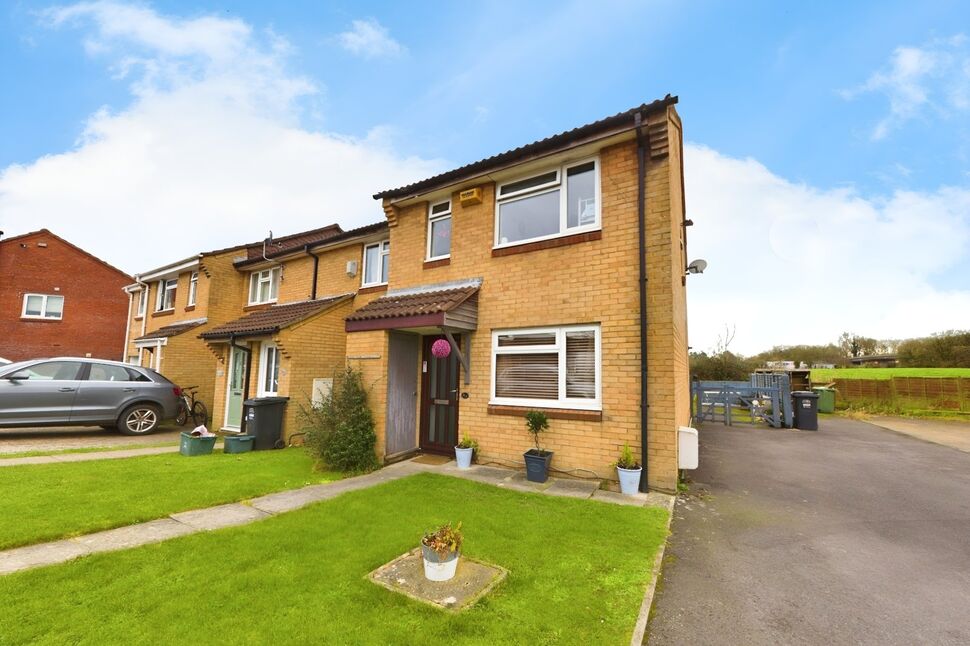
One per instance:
[(209, 153), (935, 75), (369, 39), (791, 263)]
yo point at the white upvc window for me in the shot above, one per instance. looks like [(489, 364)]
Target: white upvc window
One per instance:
[(43, 306), (269, 369), (439, 231), (264, 286), (551, 367), (193, 288), (142, 300), (166, 294), (558, 202), (377, 258)]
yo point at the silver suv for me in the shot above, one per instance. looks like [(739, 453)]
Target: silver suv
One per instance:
[(69, 391)]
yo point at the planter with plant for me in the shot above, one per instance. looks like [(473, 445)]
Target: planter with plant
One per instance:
[(465, 452), (537, 460), (441, 550), (628, 470)]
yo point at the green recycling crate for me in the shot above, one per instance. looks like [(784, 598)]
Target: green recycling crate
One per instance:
[(193, 445), (826, 399), (237, 443)]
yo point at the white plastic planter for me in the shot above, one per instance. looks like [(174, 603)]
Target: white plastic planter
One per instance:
[(629, 480), (464, 457), (438, 570)]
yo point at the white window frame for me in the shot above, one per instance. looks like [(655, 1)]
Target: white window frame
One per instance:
[(143, 301), (193, 289), (264, 351), (558, 184), (43, 307), (384, 247), (163, 289), (257, 278), (437, 217), (577, 403)]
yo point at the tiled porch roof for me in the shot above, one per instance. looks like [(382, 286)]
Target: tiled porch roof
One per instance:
[(418, 308), (273, 319), (172, 330)]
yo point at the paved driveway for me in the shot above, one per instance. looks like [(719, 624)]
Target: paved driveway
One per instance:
[(852, 535), (19, 440)]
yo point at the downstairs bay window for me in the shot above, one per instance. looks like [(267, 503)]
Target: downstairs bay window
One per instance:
[(555, 367)]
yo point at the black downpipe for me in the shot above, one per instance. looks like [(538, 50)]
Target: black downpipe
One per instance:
[(316, 265), (642, 142), (249, 367)]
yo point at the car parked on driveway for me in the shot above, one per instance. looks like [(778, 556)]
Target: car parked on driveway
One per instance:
[(69, 391)]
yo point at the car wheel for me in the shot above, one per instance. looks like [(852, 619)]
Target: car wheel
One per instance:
[(140, 419)]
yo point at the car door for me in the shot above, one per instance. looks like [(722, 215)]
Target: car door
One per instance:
[(104, 393), (42, 393)]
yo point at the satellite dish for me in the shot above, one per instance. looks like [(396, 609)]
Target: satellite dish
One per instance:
[(697, 267)]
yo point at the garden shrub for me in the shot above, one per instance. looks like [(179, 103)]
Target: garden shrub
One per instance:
[(340, 431)]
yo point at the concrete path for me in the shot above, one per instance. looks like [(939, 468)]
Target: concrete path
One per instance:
[(230, 515), (952, 433), (58, 438), (88, 457), (849, 535)]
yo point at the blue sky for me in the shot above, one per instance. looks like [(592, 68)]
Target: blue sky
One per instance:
[(828, 113)]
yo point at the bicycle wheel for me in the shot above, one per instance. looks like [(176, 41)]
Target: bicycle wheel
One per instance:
[(182, 416), (200, 415)]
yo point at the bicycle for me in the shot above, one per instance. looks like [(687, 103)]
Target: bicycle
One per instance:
[(189, 406)]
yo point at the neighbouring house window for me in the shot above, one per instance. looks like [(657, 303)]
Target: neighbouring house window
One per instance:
[(264, 286), (166, 294), (193, 288), (439, 230), (377, 259), (559, 202), (269, 369), (142, 300), (555, 367), (43, 306)]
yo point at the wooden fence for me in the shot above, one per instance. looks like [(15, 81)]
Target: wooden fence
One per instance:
[(919, 393)]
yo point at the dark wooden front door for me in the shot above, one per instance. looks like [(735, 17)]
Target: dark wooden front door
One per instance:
[(439, 400)]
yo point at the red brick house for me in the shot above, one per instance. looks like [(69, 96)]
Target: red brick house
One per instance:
[(58, 300)]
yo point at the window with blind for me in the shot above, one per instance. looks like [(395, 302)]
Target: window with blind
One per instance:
[(547, 367)]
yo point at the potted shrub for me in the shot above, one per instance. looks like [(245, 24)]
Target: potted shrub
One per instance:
[(628, 471), (465, 452), (441, 549), (537, 460)]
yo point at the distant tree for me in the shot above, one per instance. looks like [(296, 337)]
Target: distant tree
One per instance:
[(721, 364), (949, 349), (854, 345)]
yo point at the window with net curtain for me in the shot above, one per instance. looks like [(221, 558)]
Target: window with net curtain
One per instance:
[(551, 366)]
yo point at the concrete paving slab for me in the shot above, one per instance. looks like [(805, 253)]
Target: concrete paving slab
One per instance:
[(572, 488), (518, 482), (87, 457), (636, 500), (218, 517), (952, 433), (122, 538), (32, 556)]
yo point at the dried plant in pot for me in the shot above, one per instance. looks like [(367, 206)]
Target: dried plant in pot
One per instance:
[(465, 452), (441, 550), (628, 471), (537, 460)]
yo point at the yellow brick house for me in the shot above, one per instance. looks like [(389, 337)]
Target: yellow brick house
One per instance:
[(556, 273)]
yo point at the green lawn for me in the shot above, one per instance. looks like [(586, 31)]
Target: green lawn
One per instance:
[(49, 501), (577, 572), (826, 375)]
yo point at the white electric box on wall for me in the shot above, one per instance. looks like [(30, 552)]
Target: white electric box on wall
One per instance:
[(687, 452)]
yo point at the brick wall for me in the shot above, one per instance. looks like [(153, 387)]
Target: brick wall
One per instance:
[(95, 305)]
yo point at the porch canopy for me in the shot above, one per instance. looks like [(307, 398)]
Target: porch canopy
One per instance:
[(272, 319), (162, 334), (446, 306)]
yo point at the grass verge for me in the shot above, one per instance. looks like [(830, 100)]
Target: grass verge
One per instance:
[(86, 449), (45, 502), (577, 572)]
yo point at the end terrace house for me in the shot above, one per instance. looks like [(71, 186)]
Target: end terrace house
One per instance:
[(556, 273)]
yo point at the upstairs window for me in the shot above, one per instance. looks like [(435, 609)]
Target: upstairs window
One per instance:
[(43, 306), (264, 286), (377, 259), (142, 300), (193, 288), (166, 294), (439, 230), (559, 202)]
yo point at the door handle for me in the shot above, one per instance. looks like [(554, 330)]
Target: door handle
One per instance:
[(65, 390), (129, 390)]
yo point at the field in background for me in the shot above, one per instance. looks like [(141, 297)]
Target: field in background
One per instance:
[(824, 376)]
